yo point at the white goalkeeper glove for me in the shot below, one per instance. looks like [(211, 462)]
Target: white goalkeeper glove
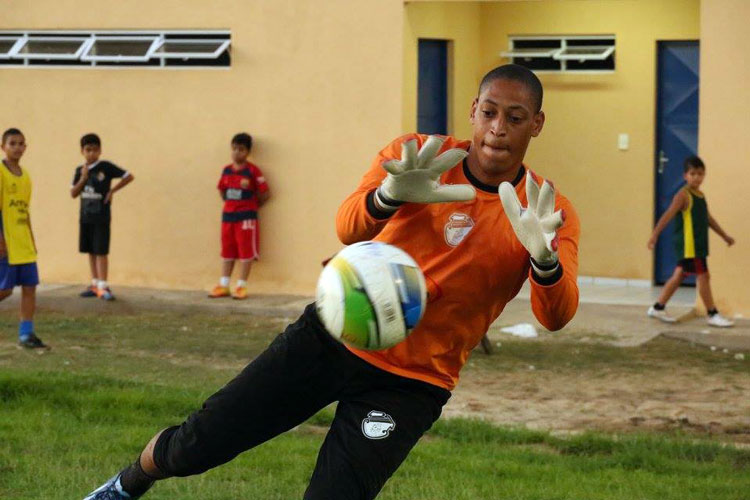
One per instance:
[(536, 225), (416, 176)]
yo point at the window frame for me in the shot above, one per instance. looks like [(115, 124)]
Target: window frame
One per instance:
[(86, 56), (221, 58), (223, 46), (549, 52), (561, 56), (18, 39), (16, 51), (558, 54)]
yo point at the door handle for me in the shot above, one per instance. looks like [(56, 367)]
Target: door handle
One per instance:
[(662, 160)]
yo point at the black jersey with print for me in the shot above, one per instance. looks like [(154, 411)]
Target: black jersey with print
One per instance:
[(101, 173)]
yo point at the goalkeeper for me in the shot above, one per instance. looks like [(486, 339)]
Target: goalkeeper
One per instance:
[(479, 223)]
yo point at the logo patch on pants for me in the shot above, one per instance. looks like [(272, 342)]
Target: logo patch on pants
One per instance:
[(377, 425)]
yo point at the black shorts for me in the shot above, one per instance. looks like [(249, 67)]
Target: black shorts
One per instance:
[(696, 265), (94, 238), (379, 418)]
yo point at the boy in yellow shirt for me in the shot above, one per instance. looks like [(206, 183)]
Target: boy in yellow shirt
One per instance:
[(17, 247)]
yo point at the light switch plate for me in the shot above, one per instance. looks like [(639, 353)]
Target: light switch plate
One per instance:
[(623, 142)]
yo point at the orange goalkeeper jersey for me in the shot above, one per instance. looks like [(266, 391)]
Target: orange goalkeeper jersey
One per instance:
[(472, 261)]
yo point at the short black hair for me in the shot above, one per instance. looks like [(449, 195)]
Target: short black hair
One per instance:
[(243, 139), (90, 140), (693, 162), (9, 132), (516, 73)]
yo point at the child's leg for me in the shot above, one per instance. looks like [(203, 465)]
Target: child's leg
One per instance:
[(247, 243), (671, 286), (102, 267), (227, 266), (704, 290), (26, 336), (245, 266), (28, 303), (4, 294), (229, 252), (94, 271)]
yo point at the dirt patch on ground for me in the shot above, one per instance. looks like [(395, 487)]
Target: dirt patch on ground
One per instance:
[(661, 393), (685, 399)]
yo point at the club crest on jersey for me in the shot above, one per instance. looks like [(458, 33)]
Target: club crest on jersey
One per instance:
[(377, 425), (100, 176), (458, 226), (245, 183)]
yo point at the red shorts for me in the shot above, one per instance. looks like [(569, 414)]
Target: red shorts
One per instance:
[(696, 265), (239, 240)]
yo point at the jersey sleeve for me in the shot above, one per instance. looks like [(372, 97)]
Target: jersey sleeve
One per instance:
[(554, 300), (260, 179), (358, 219), (114, 172)]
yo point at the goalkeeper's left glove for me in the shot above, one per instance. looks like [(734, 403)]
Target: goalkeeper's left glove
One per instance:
[(536, 225), (416, 177)]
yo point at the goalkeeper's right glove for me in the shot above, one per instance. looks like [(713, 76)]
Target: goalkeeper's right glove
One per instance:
[(416, 177)]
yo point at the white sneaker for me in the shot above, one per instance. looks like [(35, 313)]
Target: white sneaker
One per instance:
[(660, 315), (720, 321)]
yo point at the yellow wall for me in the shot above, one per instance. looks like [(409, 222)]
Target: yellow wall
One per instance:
[(319, 106), (458, 23), (724, 145), (318, 84), (612, 190)]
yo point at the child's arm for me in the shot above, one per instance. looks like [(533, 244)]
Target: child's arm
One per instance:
[(3, 247), (716, 227), (679, 202), (31, 231), (123, 182), (78, 185), (222, 187), (261, 186), (263, 197)]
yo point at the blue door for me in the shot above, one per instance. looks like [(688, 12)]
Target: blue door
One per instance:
[(432, 87), (676, 136)]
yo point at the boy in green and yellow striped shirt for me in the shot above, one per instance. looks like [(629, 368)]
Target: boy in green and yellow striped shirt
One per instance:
[(691, 243)]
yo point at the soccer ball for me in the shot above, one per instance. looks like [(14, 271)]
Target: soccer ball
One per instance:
[(371, 295)]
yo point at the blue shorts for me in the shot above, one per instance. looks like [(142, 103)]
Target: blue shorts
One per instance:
[(17, 275)]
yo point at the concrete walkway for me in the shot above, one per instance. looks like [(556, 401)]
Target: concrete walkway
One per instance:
[(609, 312), (615, 313)]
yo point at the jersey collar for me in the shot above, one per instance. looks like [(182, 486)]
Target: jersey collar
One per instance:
[(489, 188)]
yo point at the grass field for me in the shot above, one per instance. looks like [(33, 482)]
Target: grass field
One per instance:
[(73, 416)]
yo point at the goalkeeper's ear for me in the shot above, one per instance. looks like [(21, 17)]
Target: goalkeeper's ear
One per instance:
[(537, 124), (473, 110)]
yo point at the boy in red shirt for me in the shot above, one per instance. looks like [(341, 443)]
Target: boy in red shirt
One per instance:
[(479, 223), (243, 189)]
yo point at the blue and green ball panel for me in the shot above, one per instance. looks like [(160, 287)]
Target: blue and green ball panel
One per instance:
[(406, 279), (360, 321)]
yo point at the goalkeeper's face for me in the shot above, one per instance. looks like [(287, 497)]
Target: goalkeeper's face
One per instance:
[(504, 119)]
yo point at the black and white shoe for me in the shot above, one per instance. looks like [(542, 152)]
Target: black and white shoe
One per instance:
[(32, 342), (111, 490)]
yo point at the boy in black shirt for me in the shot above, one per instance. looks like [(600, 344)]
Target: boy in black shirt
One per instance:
[(93, 181)]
